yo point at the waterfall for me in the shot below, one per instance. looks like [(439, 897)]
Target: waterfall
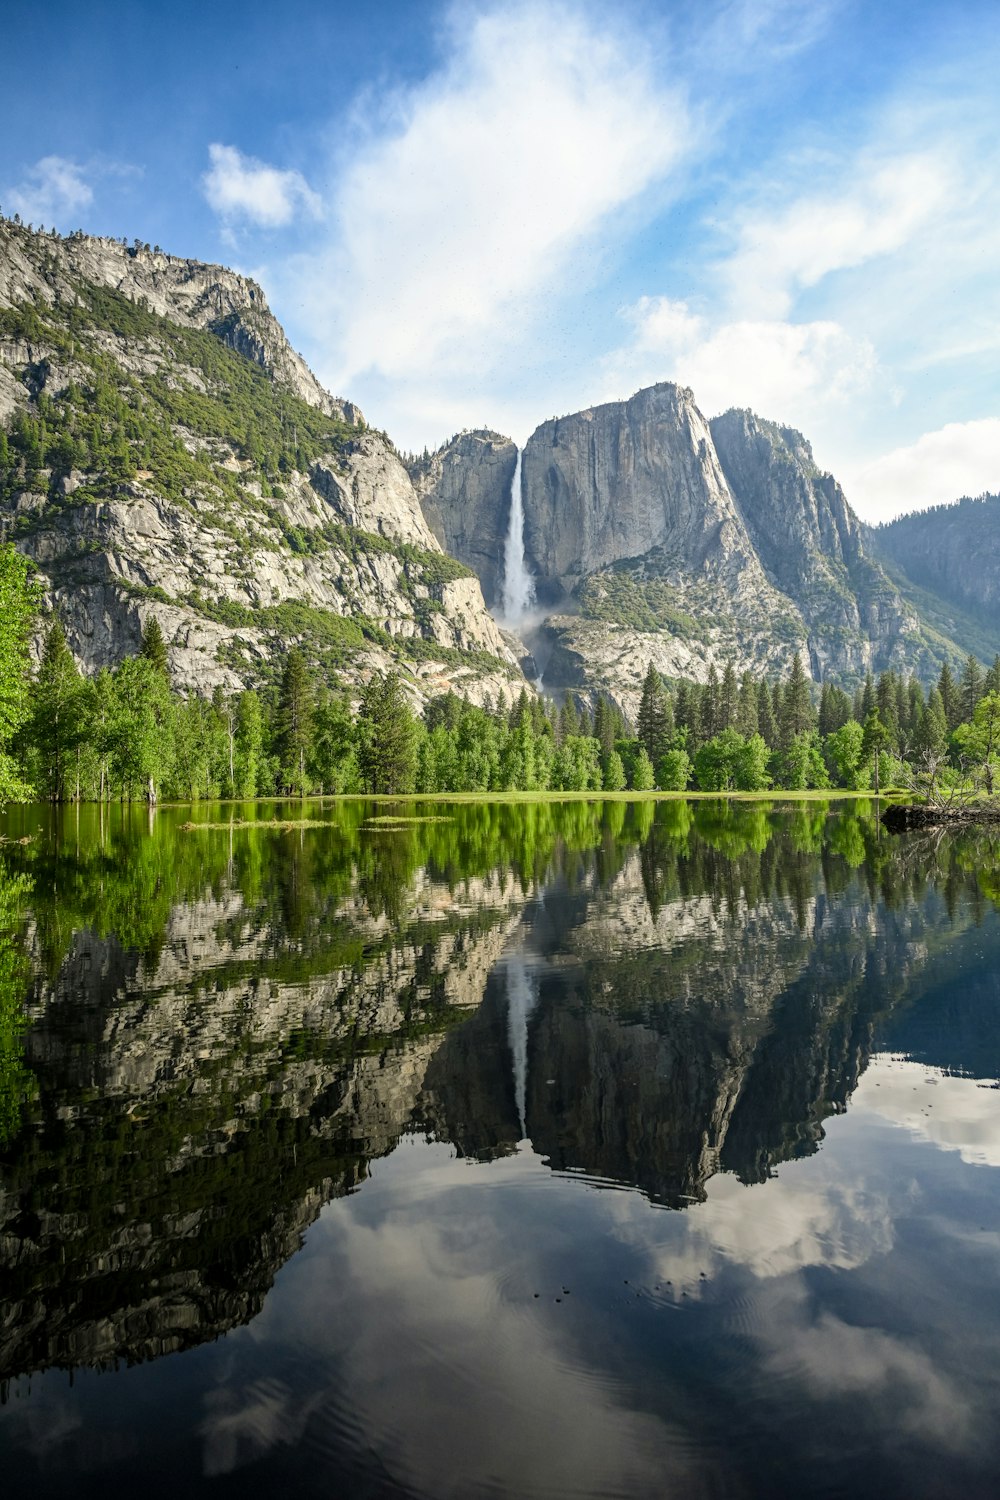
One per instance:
[(522, 997), (518, 585)]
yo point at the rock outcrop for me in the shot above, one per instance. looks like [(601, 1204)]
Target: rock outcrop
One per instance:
[(190, 467), (464, 490), (655, 535), (952, 550)]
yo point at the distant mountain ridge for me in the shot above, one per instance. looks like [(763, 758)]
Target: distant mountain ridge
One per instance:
[(952, 550)]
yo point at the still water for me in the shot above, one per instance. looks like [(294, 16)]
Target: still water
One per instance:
[(579, 1149)]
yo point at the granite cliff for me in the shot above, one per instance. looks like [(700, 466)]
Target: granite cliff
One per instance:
[(654, 534), (164, 451), (951, 554)]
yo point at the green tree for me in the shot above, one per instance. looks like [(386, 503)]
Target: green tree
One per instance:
[(979, 741), (386, 737), (614, 773), (58, 725), (747, 717), (845, 756), (950, 698), (875, 740), (673, 770), (140, 746), (797, 715), (971, 688), (18, 605), (294, 723), (154, 647), (642, 772), (728, 698), (752, 765)]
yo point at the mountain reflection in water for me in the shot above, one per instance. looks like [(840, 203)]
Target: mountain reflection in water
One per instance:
[(473, 1027)]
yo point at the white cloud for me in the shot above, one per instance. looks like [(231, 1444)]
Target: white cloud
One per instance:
[(466, 201), (781, 253), (241, 187), (955, 1114), (783, 370), (50, 191), (962, 458)]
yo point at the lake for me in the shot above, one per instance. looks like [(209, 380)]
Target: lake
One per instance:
[(532, 1149)]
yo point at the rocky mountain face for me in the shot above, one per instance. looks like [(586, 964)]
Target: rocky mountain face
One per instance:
[(464, 490), (655, 535), (166, 452), (951, 550)]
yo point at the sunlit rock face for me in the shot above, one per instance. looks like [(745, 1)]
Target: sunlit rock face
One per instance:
[(233, 565), (652, 534)]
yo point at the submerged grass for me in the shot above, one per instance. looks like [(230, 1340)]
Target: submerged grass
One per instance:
[(285, 824)]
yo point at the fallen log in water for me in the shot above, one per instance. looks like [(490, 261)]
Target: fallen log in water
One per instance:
[(903, 816)]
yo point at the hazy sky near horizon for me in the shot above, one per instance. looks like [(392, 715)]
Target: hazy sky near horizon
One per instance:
[(492, 213)]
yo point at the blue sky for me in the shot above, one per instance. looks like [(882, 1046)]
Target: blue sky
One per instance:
[(492, 213)]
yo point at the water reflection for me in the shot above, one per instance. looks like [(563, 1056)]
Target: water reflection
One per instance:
[(486, 1022)]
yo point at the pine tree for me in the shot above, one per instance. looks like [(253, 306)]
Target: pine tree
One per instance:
[(154, 647), (57, 725), (992, 683), (18, 603), (971, 688), (950, 700), (885, 702), (652, 721), (604, 725), (746, 709), (767, 725), (387, 737), (293, 722), (931, 736), (728, 699), (708, 721), (796, 709)]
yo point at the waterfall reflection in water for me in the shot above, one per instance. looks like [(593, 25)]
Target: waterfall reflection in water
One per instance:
[(772, 1022)]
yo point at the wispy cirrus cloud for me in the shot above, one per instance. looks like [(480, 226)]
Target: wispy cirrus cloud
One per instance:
[(240, 187), (785, 370)]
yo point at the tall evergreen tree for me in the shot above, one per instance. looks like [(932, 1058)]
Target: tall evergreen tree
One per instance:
[(971, 688), (387, 737), (797, 715), (293, 723), (154, 647), (767, 724), (57, 722), (652, 722), (746, 708), (950, 700), (708, 719), (728, 699), (18, 604)]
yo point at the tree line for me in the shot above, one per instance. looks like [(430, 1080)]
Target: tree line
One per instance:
[(128, 734)]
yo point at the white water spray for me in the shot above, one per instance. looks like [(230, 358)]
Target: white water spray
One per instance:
[(518, 584), (522, 997)]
